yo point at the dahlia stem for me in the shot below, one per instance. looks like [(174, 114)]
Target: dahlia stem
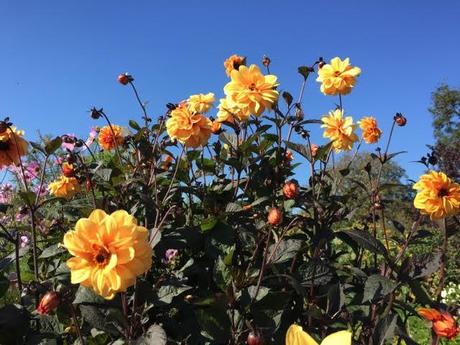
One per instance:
[(75, 321), (146, 118), (442, 268), (34, 242)]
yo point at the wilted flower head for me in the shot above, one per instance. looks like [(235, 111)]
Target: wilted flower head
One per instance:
[(12, 146), (370, 130), (251, 91), (233, 63), (339, 130), (110, 251), (438, 196), (338, 77)]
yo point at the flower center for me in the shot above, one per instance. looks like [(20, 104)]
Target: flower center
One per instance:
[(336, 73), (101, 257), (443, 192), (252, 87), (4, 145)]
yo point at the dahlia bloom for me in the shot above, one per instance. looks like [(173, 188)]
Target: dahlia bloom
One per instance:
[(201, 103), (339, 130), (111, 137), (191, 129), (443, 323), (438, 196), (297, 336), (64, 187), (109, 251), (12, 147), (370, 131), (228, 113), (338, 77), (251, 91), (233, 63)]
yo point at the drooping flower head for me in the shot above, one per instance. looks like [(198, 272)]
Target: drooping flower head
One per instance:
[(370, 131), (109, 251), (438, 196), (338, 77), (233, 63), (340, 130), (111, 137), (201, 103), (251, 91), (12, 146), (297, 336), (443, 323), (64, 187), (189, 128)]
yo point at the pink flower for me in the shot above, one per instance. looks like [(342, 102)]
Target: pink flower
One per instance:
[(6, 193), (24, 241), (68, 142), (170, 254)]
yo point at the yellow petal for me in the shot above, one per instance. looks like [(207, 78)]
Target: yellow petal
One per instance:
[(296, 336), (338, 338)]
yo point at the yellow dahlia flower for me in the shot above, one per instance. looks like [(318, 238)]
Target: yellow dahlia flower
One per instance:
[(338, 77), (228, 113), (111, 137), (233, 63), (191, 129), (438, 196), (109, 251), (64, 187), (251, 91), (370, 131), (201, 103), (339, 130), (12, 147), (296, 336)]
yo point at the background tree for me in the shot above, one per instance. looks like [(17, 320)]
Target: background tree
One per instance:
[(445, 109)]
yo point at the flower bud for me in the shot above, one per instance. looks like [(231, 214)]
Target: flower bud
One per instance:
[(290, 190), (49, 302), (313, 149), (125, 78), (96, 113), (266, 61), (400, 119), (67, 169), (275, 216), (255, 338)]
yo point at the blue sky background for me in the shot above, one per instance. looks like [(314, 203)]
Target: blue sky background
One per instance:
[(59, 58)]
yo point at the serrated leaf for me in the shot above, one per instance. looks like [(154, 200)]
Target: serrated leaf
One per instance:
[(377, 287), (51, 251), (155, 335), (52, 145), (366, 240), (385, 330)]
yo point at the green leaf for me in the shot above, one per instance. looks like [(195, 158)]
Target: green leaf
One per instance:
[(134, 125), (335, 299), (300, 149), (323, 151), (166, 293), (425, 264), (287, 98), (420, 293), (304, 71), (385, 330), (37, 146), (377, 287), (214, 322), (365, 240), (208, 224), (229, 139), (87, 296), (28, 197), (233, 207), (51, 251), (52, 145), (284, 251)]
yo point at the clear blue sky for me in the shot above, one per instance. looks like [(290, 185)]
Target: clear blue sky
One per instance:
[(59, 58)]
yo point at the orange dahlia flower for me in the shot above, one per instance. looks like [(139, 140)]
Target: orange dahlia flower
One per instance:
[(251, 91), (12, 147), (438, 196), (64, 187), (201, 103), (443, 323), (370, 131), (339, 130), (191, 129), (338, 77), (109, 251), (233, 63), (111, 137)]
